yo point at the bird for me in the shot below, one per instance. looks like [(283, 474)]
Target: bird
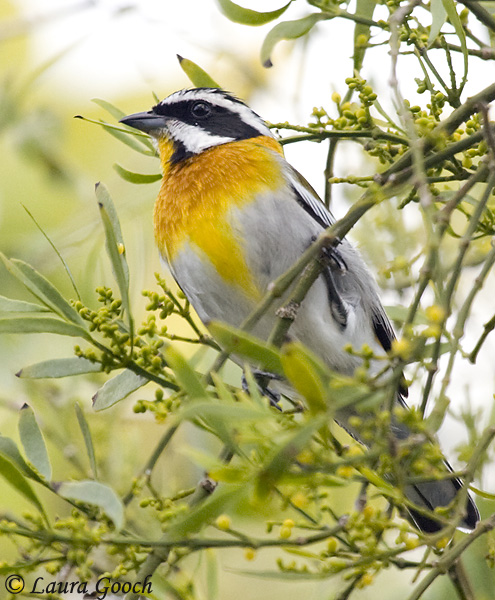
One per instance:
[(232, 215)]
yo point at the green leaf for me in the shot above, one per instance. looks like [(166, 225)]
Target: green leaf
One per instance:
[(286, 455), (246, 346), (15, 477), (198, 76), (59, 367), (9, 450), (430, 350), (137, 140), (229, 413), (55, 249), (364, 9), (438, 18), (118, 388), (220, 419), (288, 30), (401, 313), (40, 287), (111, 109), (246, 16), (185, 374), (9, 305), (204, 513), (33, 443), (211, 574), (96, 494), (304, 377), (88, 441), (450, 8), (41, 325), (138, 178), (115, 245), (206, 461)]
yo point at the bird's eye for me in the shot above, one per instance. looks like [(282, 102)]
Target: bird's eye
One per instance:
[(200, 109)]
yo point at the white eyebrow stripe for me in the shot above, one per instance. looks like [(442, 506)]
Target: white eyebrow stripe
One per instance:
[(217, 99)]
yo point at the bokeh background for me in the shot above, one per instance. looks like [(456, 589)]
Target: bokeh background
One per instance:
[(58, 55)]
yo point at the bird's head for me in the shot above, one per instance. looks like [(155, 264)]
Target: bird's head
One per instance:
[(194, 120)]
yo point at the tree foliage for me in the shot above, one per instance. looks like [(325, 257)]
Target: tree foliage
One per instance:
[(434, 158)]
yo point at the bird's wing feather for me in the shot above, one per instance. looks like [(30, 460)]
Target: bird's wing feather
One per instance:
[(308, 199)]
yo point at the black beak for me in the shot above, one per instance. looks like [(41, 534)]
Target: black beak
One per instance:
[(145, 121)]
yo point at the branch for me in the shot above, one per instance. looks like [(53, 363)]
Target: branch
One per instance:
[(320, 134), (401, 169), (464, 244), (449, 558), (148, 467), (480, 13)]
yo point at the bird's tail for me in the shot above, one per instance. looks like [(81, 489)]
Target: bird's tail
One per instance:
[(433, 494)]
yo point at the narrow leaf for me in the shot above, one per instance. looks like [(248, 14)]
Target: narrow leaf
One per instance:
[(118, 388), (365, 10), (186, 375), (88, 441), (96, 494), (246, 16), (59, 367), (288, 30), (137, 140), (33, 443), (138, 178), (114, 244), (211, 574), (246, 346), (438, 18), (198, 76), (111, 109), (41, 325), (222, 420), (15, 477), (9, 305), (10, 451), (450, 8), (55, 249), (304, 377), (286, 455), (230, 414), (203, 514), (40, 287), (400, 314)]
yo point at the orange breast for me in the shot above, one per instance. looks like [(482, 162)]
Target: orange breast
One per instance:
[(197, 194)]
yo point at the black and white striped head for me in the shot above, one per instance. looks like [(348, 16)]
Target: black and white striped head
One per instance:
[(197, 119)]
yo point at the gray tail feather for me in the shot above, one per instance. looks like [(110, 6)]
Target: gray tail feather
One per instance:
[(432, 494)]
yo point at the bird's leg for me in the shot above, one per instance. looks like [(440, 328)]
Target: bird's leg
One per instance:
[(263, 379), (333, 258)]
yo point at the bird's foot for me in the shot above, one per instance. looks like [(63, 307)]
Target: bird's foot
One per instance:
[(263, 379)]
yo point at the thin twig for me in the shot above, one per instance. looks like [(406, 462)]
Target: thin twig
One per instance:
[(151, 462)]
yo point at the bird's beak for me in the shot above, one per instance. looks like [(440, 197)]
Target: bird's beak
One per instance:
[(145, 121)]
